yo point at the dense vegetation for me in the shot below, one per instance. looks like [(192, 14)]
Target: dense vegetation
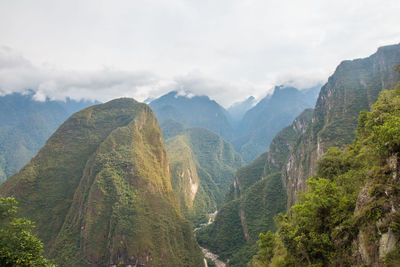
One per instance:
[(25, 125), (100, 192), (354, 86), (202, 167), (18, 246), (256, 196), (349, 214)]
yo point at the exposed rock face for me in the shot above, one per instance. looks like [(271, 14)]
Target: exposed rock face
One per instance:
[(353, 87), (294, 152), (203, 166), (100, 192), (256, 196), (376, 238)]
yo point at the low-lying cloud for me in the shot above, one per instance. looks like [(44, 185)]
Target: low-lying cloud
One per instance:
[(227, 49), (17, 74)]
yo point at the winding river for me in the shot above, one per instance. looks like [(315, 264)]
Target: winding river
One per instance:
[(208, 254)]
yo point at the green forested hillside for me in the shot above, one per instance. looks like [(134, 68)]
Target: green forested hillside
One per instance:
[(349, 214), (100, 193), (202, 167), (255, 197), (353, 87), (25, 125)]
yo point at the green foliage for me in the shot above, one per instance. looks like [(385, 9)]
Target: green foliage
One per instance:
[(305, 229), (266, 245), (335, 162), (258, 194), (349, 196), (225, 235), (380, 128), (18, 246), (210, 263), (354, 87)]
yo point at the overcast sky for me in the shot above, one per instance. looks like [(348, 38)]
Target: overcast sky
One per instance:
[(227, 49)]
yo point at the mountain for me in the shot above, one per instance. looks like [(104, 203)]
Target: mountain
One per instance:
[(238, 109), (100, 192), (274, 112), (197, 111), (202, 167), (354, 86), (256, 196), (26, 124), (349, 214), (202, 163), (292, 158)]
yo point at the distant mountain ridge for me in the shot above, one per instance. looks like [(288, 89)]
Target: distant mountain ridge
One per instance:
[(238, 109), (274, 112), (252, 134), (26, 124), (197, 111)]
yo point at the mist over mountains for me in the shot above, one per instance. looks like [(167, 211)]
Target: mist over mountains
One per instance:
[(174, 181)]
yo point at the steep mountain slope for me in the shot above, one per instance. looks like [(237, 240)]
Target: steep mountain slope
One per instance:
[(193, 111), (256, 196), (25, 125), (349, 214), (353, 87), (237, 110), (202, 168), (261, 123), (100, 192)]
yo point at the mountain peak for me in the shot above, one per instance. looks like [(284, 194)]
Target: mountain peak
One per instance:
[(193, 110), (97, 176)]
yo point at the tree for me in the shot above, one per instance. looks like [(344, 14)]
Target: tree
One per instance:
[(18, 246)]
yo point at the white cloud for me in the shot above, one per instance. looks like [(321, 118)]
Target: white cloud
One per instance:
[(228, 49)]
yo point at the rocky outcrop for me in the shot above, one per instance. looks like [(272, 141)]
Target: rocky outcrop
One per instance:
[(256, 196), (376, 238), (353, 87), (202, 167)]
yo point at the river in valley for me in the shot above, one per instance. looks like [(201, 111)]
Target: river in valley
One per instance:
[(208, 254)]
